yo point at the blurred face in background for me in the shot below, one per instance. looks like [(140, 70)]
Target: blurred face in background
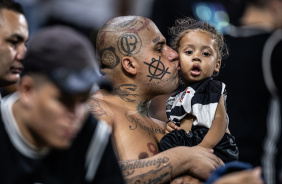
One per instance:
[(54, 117), (13, 37)]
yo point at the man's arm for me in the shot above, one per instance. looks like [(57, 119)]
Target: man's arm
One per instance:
[(197, 161), (162, 167)]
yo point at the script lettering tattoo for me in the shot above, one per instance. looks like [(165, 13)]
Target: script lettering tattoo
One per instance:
[(161, 169), (156, 39), (109, 58), (153, 148), (129, 44), (130, 166), (138, 122), (95, 108), (157, 69), (124, 91)]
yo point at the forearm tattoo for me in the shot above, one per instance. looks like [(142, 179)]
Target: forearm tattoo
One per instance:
[(95, 108), (159, 169), (156, 69)]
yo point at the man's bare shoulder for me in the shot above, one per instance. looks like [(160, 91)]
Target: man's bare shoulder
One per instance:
[(101, 105)]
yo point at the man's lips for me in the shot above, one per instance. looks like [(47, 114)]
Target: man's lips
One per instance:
[(17, 70)]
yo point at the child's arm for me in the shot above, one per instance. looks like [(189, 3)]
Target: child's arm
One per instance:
[(218, 127), (187, 122)]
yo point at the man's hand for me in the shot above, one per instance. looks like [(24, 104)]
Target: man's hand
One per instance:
[(203, 162), (185, 179)]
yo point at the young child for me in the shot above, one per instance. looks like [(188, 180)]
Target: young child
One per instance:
[(199, 106)]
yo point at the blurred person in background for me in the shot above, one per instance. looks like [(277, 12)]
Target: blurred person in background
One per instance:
[(13, 37), (253, 76), (47, 134), (86, 16)]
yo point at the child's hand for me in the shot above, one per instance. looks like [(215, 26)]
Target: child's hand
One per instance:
[(170, 126)]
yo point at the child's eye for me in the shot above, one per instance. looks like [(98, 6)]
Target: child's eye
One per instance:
[(189, 52), (206, 54)]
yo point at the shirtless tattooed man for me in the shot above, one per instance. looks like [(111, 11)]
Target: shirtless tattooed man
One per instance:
[(135, 58)]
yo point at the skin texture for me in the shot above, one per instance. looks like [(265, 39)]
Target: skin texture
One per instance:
[(249, 176), (13, 36), (134, 56), (48, 118)]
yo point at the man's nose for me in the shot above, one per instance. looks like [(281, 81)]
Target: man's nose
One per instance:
[(73, 111), (21, 52), (173, 55)]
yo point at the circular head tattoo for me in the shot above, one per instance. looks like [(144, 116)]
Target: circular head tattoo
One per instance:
[(129, 44), (109, 57)]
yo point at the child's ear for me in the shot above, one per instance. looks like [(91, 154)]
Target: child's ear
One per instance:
[(129, 65), (217, 66)]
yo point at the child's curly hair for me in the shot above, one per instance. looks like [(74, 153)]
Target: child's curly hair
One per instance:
[(184, 25)]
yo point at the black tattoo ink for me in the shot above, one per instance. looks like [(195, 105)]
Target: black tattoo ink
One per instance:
[(156, 39), (129, 167), (129, 44), (95, 108), (124, 92), (143, 108), (157, 69), (138, 122), (109, 58), (153, 176)]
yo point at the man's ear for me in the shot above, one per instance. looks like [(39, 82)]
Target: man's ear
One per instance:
[(26, 88), (217, 65), (129, 65)]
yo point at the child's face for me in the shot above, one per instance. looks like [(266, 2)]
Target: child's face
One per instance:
[(198, 53)]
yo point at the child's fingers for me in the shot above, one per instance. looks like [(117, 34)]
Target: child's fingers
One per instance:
[(171, 125), (168, 129)]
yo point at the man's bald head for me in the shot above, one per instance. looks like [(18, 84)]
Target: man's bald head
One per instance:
[(121, 36), (132, 50)]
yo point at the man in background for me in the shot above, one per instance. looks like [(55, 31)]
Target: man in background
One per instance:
[(13, 37), (46, 132)]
